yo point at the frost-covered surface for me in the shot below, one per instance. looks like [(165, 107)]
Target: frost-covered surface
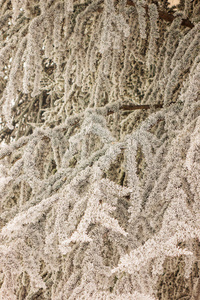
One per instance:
[(98, 202)]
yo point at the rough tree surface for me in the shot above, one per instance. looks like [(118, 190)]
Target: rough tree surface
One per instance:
[(100, 150)]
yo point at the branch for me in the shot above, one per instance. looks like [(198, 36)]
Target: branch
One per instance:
[(166, 16), (131, 107), (107, 110)]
